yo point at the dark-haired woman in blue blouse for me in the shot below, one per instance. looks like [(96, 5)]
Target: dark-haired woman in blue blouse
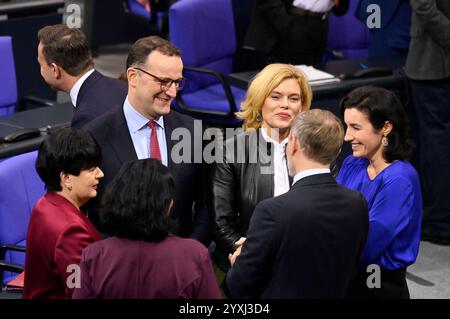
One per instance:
[(377, 131)]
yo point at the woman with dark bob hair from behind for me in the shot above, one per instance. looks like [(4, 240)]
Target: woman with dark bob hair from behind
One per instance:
[(142, 258), (378, 132), (58, 230)]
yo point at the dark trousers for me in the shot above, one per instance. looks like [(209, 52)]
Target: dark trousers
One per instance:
[(305, 43), (431, 100), (393, 285)]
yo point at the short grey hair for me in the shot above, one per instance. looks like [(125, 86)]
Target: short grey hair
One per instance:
[(320, 133)]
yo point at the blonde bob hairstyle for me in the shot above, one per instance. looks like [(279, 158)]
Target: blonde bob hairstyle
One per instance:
[(263, 84)]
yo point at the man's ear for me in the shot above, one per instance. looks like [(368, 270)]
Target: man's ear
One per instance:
[(56, 71), (132, 77), (294, 147)]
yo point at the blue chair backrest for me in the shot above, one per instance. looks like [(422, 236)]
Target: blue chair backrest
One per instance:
[(8, 84), (20, 188), (204, 31), (348, 35)]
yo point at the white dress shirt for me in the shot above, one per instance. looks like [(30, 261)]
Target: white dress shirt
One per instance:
[(140, 132), (310, 172), (76, 88), (280, 176), (320, 6)]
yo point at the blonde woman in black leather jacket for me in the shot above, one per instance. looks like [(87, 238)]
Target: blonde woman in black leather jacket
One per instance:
[(254, 165)]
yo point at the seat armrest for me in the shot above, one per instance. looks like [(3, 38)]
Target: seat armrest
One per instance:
[(37, 100), (25, 102), (223, 80), (6, 266), (5, 248), (336, 54)]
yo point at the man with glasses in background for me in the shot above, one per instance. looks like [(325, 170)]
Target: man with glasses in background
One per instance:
[(143, 127)]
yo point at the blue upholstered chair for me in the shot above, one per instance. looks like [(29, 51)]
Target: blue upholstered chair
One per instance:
[(8, 84), (204, 31), (20, 188), (347, 36), (9, 98)]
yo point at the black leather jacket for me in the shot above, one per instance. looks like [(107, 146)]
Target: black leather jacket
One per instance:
[(238, 186)]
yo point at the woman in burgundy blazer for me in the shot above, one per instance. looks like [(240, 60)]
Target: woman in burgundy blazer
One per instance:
[(58, 231), (143, 259)]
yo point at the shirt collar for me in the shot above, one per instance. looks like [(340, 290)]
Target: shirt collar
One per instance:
[(135, 120), (268, 139), (310, 172), (76, 88)]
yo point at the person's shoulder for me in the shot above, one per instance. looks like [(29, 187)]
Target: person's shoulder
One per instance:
[(351, 194), (352, 168), (177, 119), (98, 124), (100, 248), (277, 203), (115, 83), (401, 171)]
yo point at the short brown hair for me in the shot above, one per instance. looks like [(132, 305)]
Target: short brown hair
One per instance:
[(263, 84), (320, 133), (66, 47), (141, 49)]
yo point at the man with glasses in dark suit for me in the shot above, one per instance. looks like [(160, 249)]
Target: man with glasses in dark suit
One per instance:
[(143, 128)]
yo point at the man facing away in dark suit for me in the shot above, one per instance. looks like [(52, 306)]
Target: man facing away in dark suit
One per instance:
[(66, 65), (307, 242), (143, 128)]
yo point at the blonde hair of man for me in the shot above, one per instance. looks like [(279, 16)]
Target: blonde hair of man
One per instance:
[(320, 134)]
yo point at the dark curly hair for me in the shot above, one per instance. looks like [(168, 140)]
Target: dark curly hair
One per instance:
[(135, 205), (69, 151), (381, 105)]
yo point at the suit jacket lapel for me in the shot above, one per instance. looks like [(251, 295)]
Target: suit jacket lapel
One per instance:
[(120, 140), (168, 128)]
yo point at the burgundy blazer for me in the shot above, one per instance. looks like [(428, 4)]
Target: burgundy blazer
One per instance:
[(121, 268), (57, 233)]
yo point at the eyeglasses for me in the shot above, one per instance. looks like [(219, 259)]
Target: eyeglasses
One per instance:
[(167, 84)]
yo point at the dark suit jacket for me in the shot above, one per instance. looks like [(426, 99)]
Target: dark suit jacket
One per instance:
[(112, 134), (302, 244), (57, 234), (98, 95)]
